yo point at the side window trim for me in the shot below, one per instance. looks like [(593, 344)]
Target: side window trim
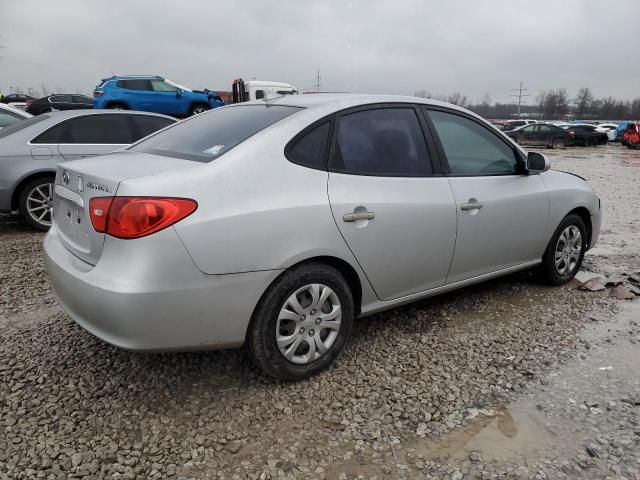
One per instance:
[(287, 149), (520, 162), (437, 171)]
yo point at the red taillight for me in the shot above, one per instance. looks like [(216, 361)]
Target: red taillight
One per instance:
[(98, 209), (97, 93), (135, 217), (28, 103)]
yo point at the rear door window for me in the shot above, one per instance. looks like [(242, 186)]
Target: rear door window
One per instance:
[(208, 136), (139, 84), (381, 142), (310, 149), (146, 124), (98, 129)]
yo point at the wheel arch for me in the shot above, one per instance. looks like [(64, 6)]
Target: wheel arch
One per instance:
[(110, 103), (342, 266), (15, 195), (585, 215)]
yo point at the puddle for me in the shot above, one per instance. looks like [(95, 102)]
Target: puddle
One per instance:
[(512, 433), (559, 416)]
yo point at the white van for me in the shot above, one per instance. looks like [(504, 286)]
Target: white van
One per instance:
[(258, 89)]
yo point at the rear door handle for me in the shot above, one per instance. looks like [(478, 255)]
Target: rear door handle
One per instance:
[(471, 206), (352, 217)]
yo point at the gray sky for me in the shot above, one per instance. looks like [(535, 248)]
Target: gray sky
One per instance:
[(376, 46)]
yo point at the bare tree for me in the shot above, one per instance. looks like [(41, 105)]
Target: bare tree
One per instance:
[(541, 100), (421, 93), (583, 101), (457, 99)]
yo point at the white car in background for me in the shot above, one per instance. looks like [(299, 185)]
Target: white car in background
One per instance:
[(19, 105), (609, 129), (10, 115)]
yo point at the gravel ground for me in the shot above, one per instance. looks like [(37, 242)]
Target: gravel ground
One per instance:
[(500, 380)]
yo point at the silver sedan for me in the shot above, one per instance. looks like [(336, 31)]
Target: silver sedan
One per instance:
[(31, 149), (275, 223)]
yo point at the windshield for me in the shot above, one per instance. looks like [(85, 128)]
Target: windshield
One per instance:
[(210, 135), (173, 84), (16, 127)]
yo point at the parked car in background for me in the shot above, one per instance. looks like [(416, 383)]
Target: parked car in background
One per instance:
[(207, 256), (31, 149), (631, 136), (609, 129), (513, 124), (153, 94), (541, 134), (502, 126), (622, 126), (10, 115), (16, 97), (587, 135), (66, 101)]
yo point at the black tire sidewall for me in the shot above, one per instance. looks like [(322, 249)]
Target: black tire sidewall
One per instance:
[(548, 260), (198, 105), (261, 334), (22, 202)]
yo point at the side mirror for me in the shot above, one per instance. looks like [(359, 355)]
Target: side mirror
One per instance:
[(537, 162)]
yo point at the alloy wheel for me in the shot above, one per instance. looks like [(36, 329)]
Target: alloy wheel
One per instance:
[(40, 204), (308, 323), (568, 250)]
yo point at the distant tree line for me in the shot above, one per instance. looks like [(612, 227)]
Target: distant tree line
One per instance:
[(550, 105)]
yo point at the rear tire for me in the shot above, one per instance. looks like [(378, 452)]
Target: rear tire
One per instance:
[(117, 106), (558, 143), (35, 203), (199, 108), (288, 321), (564, 254)]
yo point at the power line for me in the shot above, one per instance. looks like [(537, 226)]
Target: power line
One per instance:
[(520, 96)]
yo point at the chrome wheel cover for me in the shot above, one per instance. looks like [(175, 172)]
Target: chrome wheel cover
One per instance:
[(308, 323), (199, 110), (40, 204), (568, 249)]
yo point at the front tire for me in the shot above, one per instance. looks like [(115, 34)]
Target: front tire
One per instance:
[(36, 203), (302, 322), (563, 257)]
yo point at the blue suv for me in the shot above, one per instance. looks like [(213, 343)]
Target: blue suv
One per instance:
[(153, 94)]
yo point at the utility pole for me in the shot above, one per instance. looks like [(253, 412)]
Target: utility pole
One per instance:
[(318, 82), (520, 96)]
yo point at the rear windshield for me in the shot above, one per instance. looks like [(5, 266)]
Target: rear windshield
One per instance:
[(16, 127), (208, 136)]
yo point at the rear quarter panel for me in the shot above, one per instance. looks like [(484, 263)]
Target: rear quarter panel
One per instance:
[(256, 210)]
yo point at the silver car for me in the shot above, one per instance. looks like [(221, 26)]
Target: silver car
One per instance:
[(30, 151), (275, 223)]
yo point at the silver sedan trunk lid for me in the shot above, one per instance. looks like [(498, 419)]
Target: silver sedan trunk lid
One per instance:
[(78, 181)]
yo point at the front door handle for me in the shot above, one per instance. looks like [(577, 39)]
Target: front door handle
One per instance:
[(352, 217), (471, 206)]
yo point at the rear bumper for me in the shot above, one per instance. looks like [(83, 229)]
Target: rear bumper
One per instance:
[(153, 300)]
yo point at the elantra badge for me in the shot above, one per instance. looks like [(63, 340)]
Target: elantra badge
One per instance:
[(65, 177), (80, 184)]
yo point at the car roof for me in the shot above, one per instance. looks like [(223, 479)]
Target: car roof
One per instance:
[(128, 77), (64, 114), (341, 101), (9, 108)]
